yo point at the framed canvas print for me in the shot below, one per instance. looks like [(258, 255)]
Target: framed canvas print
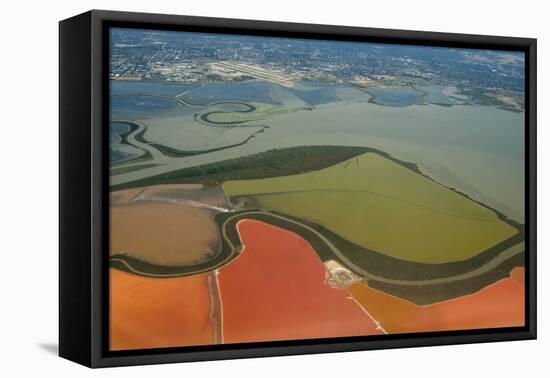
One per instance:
[(233, 188)]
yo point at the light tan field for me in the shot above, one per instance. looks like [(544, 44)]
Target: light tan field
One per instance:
[(165, 225), (196, 194), (124, 196)]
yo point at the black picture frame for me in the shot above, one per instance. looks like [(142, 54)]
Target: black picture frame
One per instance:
[(83, 180)]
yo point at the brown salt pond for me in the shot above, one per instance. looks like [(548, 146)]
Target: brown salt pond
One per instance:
[(165, 224), (276, 290), (501, 304), (158, 313)]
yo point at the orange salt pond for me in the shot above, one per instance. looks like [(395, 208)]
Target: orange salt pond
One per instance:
[(518, 275), (158, 313), (275, 290), (501, 304)]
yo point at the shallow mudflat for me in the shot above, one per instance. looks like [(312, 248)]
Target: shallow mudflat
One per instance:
[(145, 106), (186, 134), (121, 151)]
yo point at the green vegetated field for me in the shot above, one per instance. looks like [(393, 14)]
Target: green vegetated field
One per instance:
[(272, 163), (381, 205)]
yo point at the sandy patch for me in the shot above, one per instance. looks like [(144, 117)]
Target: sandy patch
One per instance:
[(124, 196)]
